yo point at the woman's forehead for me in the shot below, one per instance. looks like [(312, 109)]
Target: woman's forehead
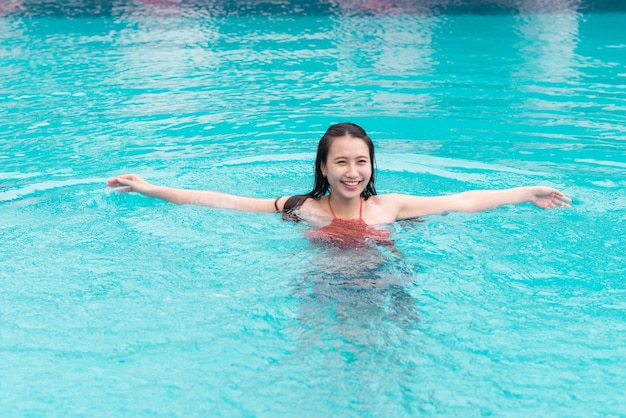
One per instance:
[(348, 145)]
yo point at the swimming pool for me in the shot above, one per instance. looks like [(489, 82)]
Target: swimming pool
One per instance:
[(118, 305)]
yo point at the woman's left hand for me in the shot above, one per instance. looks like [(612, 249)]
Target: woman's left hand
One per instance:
[(547, 197)]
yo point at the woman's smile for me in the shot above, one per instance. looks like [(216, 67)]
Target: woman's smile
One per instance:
[(348, 168), (351, 184)]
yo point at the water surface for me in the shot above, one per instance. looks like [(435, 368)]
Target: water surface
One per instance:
[(117, 305)]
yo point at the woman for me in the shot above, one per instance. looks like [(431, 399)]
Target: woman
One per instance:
[(351, 212)]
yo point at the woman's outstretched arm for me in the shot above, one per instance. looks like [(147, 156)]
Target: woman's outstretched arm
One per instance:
[(477, 200), (133, 183)]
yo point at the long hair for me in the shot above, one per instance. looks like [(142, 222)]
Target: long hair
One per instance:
[(321, 186)]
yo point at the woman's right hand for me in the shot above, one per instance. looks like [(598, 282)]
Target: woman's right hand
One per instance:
[(130, 183)]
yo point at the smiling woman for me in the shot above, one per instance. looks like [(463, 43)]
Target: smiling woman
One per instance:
[(344, 202), (123, 305)]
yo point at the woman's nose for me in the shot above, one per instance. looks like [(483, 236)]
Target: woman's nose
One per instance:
[(352, 171)]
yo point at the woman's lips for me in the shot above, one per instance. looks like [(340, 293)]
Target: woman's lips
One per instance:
[(351, 184)]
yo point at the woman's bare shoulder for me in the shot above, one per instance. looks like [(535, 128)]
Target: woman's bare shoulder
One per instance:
[(381, 209), (315, 207), (307, 209)]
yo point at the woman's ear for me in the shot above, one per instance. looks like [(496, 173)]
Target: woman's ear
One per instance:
[(323, 169)]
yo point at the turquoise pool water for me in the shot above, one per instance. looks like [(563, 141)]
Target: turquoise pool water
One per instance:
[(118, 305)]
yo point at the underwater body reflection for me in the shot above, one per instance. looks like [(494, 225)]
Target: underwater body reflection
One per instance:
[(360, 294), (358, 325)]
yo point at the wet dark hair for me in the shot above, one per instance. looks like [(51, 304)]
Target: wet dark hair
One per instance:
[(321, 185)]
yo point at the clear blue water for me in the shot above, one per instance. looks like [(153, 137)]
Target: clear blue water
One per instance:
[(119, 305)]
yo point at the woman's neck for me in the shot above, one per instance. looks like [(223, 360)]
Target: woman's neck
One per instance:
[(345, 208)]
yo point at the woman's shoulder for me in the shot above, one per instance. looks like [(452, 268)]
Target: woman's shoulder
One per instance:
[(300, 207), (294, 203), (381, 209)]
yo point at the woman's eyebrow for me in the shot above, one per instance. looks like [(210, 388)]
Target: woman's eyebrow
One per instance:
[(342, 157)]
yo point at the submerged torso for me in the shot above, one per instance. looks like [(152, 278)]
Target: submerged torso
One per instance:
[(350, 232)]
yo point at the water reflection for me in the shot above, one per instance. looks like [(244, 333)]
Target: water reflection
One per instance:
[(383, 7), (550, 40), (84, 8), (384, 61), (550, 65), (8, 7)]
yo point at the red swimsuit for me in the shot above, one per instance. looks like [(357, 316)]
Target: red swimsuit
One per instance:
[(350, 232)]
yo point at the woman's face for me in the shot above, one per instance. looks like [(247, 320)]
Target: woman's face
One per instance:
[(348, 167)]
